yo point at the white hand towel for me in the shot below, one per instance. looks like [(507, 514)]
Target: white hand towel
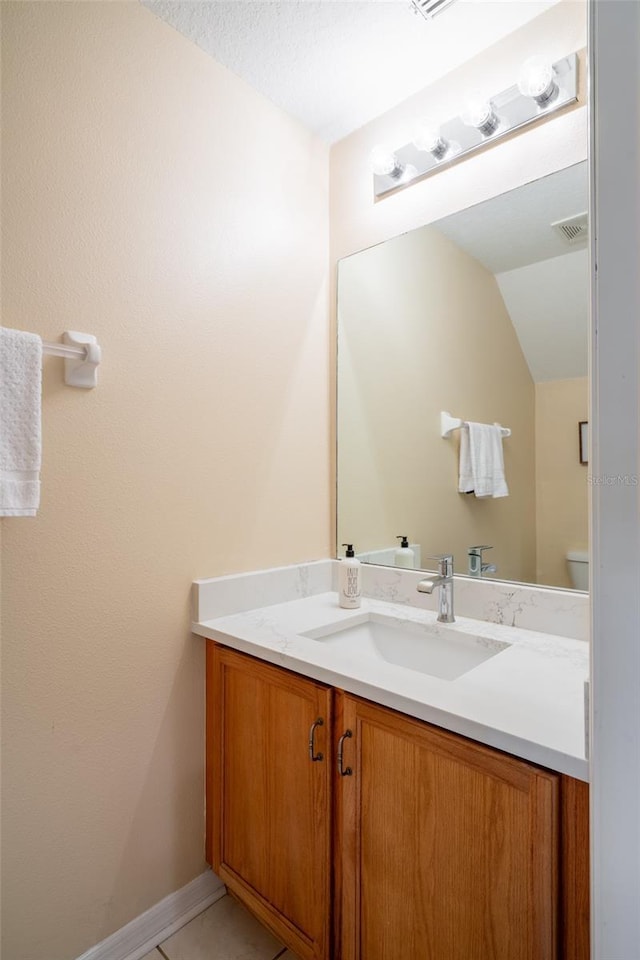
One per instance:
[(481, 461), (465, 482), (20, 422)]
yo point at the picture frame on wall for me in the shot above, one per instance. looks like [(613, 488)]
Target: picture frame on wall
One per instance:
[(583, 436)]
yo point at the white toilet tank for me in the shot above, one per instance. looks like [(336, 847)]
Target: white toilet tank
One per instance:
[(578, 563)]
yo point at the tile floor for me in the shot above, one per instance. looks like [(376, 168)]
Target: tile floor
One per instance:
[(225, 931)]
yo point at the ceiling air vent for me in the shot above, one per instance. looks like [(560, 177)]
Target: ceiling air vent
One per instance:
[(573, 230), (430, 8)]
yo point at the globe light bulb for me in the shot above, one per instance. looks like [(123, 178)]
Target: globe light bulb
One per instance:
[(427, 137), (384, 162), (479, 113), (537, 80)]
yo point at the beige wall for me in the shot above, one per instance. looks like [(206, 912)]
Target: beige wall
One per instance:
[(357, 222), (562, 493), (153, 199), (423, 328)]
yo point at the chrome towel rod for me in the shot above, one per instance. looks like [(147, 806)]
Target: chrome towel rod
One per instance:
[(62, 350), (82, 355), (448, 424)]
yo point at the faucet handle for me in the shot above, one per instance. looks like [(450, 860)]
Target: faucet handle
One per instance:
[(445, 563), (477, 550)]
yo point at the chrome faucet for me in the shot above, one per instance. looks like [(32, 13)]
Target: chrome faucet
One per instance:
[(477, 566), (444, 580)]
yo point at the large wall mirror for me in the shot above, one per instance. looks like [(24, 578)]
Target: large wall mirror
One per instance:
[(484, 315)]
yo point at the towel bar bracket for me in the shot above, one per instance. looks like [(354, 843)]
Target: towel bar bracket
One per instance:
[(82, 371), (448, 424)]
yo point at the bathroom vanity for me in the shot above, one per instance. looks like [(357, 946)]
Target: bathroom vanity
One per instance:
[(363, 807)]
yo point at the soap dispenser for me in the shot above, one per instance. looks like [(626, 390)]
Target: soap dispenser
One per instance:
[(350, 586), (404, 555)]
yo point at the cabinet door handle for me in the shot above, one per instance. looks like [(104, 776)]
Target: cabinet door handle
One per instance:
[(312, 749), (346, 771)]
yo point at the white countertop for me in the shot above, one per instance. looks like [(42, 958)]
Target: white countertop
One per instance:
[(527, 700)]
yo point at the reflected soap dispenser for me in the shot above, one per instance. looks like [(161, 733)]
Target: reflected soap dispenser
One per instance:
[(404, 555), (350, 579)]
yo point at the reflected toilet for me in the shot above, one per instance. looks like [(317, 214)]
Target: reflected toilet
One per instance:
[(578, 563)]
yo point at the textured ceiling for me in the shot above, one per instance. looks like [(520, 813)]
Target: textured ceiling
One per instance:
[(513, 229), (337, 64)]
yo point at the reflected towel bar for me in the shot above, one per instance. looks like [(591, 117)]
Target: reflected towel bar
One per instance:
[(448, 424)]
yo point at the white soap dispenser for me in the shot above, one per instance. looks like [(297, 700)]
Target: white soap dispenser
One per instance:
[(404, 555), (350, 579)]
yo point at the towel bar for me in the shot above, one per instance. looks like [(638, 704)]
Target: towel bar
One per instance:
[(60, 350)]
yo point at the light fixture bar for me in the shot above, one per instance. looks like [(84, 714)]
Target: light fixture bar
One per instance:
[(513, 109)]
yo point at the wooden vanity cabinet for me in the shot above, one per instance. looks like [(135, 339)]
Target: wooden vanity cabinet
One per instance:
[(268, 802), (448, 847), (417, 845)]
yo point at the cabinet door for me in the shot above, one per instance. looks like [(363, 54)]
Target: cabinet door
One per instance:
[(268, 802), (450, 849)]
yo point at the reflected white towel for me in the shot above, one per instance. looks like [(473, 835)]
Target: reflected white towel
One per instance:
[(481, 461), (20, 422)]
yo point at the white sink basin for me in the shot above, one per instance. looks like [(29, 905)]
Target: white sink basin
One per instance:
[(433, 648)]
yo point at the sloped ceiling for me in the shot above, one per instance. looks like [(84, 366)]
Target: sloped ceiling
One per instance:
[(548, 303), (543, 281)]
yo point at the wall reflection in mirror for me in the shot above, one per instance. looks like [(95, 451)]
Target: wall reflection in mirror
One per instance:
[(484, 315)]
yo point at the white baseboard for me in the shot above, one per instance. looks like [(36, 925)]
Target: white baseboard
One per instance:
[(139, 937)]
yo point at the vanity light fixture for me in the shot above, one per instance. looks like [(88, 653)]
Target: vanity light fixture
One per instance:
[(543, 88)]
